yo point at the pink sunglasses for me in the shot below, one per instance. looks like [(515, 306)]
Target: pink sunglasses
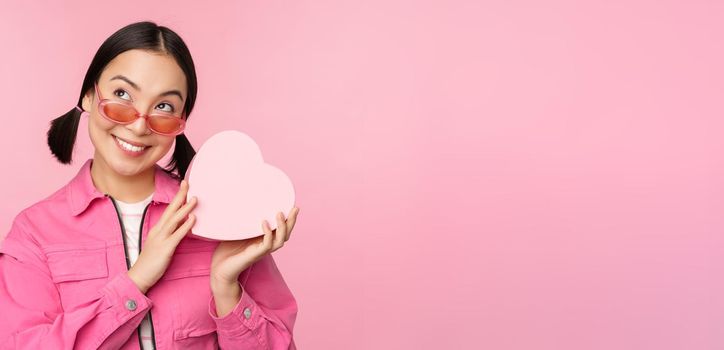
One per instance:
[(123, 112)]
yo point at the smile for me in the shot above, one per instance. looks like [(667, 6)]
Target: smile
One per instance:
[(129, 147)]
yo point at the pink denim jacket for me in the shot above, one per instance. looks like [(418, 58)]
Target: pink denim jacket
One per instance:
[(63, 282)]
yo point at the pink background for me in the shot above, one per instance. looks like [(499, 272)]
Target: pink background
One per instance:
[(471, 175)]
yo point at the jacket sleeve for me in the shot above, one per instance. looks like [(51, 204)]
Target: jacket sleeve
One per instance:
[(33, 317), (265, 315)]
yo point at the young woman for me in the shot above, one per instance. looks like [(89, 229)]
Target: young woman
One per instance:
[(104, 262)]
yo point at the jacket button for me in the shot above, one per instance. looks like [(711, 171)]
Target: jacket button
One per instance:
[(247, 313), (131, 304)]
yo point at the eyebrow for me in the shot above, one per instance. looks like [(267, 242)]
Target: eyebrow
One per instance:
[(135, 86)]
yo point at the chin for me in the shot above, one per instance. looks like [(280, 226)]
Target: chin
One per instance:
[(127, 167)]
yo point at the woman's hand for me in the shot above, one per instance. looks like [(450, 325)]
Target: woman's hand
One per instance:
[(232, 257), (159, 246)]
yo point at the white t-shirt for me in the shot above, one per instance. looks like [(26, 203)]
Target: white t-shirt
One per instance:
[(131, 214)]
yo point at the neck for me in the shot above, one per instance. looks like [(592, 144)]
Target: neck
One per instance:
[(126, 188)]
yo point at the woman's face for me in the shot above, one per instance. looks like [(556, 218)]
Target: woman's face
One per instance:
[(153, 74)]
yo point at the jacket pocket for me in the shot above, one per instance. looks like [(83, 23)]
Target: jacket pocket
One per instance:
[(78, 270), (196, 332), (191, 258), (196, 338), (188, 277)]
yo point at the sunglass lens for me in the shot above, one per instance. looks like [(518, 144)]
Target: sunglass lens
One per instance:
[(165, 124), (120, 113)]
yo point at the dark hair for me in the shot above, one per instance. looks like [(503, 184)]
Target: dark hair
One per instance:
[(140, 35)]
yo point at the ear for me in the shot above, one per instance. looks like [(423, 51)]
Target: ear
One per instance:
[(87, 101)]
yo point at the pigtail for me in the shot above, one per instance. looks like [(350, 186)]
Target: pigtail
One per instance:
[(62, 133), (183, 153)]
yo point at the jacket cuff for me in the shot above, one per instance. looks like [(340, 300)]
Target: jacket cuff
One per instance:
[(242, 318), (124, 297)]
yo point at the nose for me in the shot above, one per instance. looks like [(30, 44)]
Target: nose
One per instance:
[(139, 126)]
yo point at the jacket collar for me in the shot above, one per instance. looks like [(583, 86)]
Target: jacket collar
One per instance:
[(82, 191)]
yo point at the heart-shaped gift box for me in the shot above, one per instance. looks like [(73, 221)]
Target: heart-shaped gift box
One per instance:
[(235, 189)]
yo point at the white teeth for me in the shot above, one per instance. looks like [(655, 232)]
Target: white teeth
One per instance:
[(129, 147)]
